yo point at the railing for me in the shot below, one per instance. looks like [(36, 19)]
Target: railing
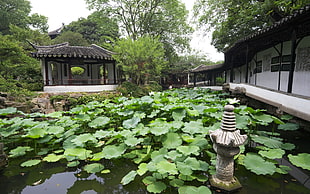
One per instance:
[(56, 82)]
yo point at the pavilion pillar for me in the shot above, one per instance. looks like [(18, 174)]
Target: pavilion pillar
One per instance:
[(292, 64)]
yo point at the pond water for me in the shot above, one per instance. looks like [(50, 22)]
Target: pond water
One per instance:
[(54, 178)]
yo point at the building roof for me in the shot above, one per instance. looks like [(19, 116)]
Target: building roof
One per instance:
[(202, 68), (63, 50)]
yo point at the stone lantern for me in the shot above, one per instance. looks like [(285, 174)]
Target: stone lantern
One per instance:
[(226, 144)]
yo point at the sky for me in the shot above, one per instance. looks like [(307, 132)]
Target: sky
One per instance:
[(66, 11)]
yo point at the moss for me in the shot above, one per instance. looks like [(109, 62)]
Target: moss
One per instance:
[(226, 186)]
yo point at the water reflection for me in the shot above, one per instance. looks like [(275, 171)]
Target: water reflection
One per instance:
[(51, 178)]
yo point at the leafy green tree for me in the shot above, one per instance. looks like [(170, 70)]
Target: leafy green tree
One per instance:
[(17, 12), (96, 29), (157, 18), (231, 20), (74, 39), (142, 60)]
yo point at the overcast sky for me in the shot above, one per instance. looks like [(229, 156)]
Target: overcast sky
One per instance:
[(66, 11)]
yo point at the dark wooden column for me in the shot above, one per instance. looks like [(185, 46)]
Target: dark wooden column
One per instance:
[(292, 64)]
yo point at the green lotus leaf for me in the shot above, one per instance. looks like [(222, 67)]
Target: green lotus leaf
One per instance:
[(156, 187), (159, 130), (36, 132), (99, 122), (166, 167), (113, 151), (263, 118), (172, 140), (146, 99), (288, 127), (287, 117), (52, 158), (19, 151), (100, 134), (201, 177), (176, 183), (258, 165), (54, 115), (288, 146), (129, 177), (201, 142), (194, 127), (283, 169), (142, 169), (193, 163), (192, 113), (80, 140), (184, 168), (132, 141), (188, 150), (7, 111), (82, 117), (173, 155), (106, 171), (80, 153), (73, 164), (242, 121), (149, 180), (272, 153), (93, 168), (271, 143), (300, 160), (178, 114), (131, 123), (30, 163), (194, 190), (55, 130), (159, 155), (186, 177), (98, 156)]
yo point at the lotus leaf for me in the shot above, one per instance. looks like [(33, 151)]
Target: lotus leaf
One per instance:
[(194, 190), (113, 151), (283, 169), (166, 167), (271, 143), (80, 140), (142, 169), (99, 122), (242, 121), (188, 150), (194, 127), (159, 155), (93, 168), (7, 111), (272, 153), (149, 180), (288, 127), (36, 132), (263, 118), (159, 130), (192, 113), (80, 153), (19, 151), (52, 158), (288, 146), (301, 160), (172, 140), (73, 164), (55, 130), (30, 163), (82, 117), (131, 123), (129, 177), (156, 187), (173, 155), (193, 163), (258, 165), (184, 168), (132, 141), (106, 171), (178, 114), (176, 183)]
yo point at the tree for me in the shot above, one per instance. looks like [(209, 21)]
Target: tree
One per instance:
[(157, 18), (16, 12), (142, 60), (232, 20), (74, 39), (96, 29)]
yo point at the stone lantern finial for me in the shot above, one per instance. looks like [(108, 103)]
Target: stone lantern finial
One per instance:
[(226, 141)]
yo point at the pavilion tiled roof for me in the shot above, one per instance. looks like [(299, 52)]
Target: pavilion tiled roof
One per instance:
[(63, 50), (202, 68)]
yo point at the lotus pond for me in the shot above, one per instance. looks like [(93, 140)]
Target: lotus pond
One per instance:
[(153, 144)]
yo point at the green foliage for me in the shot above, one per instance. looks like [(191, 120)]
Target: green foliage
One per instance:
[(141, 60), (131, 89), (166, 134), (74, 39), (233, 20), (301, 160)]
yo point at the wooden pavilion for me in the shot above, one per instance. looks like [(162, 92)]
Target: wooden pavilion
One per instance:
[(76, 68)]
